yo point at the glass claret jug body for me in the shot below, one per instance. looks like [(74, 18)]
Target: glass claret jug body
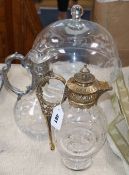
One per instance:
[(28, 114)]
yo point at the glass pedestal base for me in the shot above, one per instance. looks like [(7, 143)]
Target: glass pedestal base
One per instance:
[(76, 164)]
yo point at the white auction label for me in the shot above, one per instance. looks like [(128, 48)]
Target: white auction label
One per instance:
[(57, 117)]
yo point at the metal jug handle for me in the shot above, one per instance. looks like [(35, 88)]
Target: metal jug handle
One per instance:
[(47, 107), (5, 70)]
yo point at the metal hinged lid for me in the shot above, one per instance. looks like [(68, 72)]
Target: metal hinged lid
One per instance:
[(83, 90)]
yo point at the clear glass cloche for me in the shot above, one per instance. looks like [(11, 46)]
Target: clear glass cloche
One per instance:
[(67, 45)]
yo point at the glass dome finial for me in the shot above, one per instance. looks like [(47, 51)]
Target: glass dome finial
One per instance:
[(76, 12)]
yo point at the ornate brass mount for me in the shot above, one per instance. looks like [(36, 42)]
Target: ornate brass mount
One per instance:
[(83, 90), (47, 107)]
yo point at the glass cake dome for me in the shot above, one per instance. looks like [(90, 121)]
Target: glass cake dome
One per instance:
[(69, 44)]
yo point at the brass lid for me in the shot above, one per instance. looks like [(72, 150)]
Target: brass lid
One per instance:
[(83, 82), (84, 89), (84, 76)]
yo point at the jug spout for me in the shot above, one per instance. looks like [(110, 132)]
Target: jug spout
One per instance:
[(103, 87)]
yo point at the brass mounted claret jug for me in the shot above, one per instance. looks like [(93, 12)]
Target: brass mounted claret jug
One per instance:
[(83, 127)]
